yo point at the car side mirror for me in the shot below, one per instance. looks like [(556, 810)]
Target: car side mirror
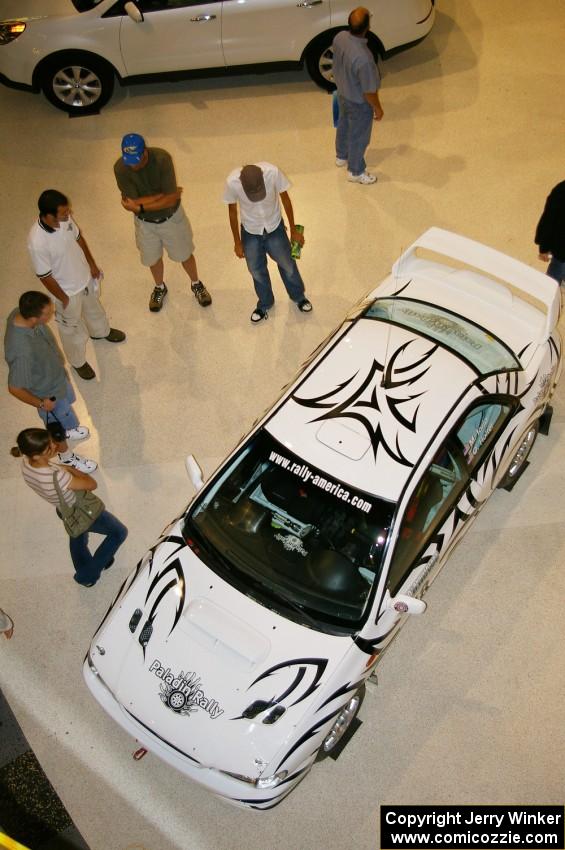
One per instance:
[(407, 604), (134, 13), (194, 472)]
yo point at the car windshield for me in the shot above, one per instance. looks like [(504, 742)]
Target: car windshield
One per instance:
[(461, 336), (291, 537)]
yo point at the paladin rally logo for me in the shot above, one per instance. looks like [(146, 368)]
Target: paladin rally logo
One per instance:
[(183, 693)]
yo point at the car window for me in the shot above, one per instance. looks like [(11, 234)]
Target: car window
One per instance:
[(473, 343), (291, 535), (443, 482), (440, 486), (479, 429)]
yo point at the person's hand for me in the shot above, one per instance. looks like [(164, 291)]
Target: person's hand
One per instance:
[(95, 271), (130, 205), (296, 236), (48, 405), (545, 257), (378, 113), (238, 249)]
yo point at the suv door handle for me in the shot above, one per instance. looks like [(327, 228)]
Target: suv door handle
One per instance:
[(207, 17), (307, 4)]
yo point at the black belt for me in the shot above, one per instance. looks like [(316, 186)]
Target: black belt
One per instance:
[(157, 220)]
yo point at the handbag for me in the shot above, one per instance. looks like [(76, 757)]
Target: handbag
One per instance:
[(56, 430), (79, 517)]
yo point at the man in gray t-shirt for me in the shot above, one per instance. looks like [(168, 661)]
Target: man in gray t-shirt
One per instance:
[(37, 374), (358, 82)]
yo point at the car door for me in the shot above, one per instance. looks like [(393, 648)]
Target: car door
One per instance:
[(445, 501), (255, 31), (175, 35)]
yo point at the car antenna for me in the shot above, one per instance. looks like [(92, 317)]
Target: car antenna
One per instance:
[(396, 279)]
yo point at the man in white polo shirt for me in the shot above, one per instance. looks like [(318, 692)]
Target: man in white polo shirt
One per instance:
[(257, 189), (63, 263)]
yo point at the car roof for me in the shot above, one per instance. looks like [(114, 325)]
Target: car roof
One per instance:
[(368, 410)]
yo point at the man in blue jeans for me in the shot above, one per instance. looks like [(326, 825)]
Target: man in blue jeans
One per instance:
[(257, 189), (357, 79)]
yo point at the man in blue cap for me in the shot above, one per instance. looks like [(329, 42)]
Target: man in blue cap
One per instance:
[(146, 178)]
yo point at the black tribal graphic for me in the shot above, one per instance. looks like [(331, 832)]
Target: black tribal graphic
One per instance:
[(383, 387)]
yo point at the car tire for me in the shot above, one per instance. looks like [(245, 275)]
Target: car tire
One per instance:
[(342, 728), (319, 58), (519, 462), (77, 83)]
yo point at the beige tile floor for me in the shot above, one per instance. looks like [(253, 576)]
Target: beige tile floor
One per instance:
[(470, 703)]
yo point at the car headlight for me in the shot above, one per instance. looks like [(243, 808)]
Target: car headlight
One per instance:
[(266, 782), (10, 31)]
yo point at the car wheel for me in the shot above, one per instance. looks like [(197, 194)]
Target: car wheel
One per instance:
[(520, 460), (320, 59), (342, 730), (77, 83)]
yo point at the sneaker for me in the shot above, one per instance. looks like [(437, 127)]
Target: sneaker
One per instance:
[(86, 372), (201, 294), (83, 464), (81, 432), (114, 336), (157, 298), (304, 306), (258, 315), (340, 162), (366, 179)]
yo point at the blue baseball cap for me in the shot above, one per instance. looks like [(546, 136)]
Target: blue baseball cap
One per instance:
[(133, 146)]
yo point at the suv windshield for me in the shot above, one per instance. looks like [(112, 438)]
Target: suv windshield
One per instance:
[(461, 336), (290, 536)]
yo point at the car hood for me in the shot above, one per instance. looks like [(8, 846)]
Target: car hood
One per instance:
[(202, 665), (31, 10)]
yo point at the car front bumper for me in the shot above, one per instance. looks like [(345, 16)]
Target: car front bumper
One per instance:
[(237, 792)]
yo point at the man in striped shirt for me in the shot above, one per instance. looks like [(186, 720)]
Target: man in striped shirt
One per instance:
[(37, 375)]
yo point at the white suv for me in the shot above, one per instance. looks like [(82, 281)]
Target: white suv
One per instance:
[(74, 49)]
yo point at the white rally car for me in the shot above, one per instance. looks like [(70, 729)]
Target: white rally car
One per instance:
[(238, 648)]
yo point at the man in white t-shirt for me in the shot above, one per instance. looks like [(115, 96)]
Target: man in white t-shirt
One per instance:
[(257, 189), (63, 263)]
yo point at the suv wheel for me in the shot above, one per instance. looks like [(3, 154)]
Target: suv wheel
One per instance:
[(77, 83)]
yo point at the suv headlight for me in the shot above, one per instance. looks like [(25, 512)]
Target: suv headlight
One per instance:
[(10, 31), (266, 782)]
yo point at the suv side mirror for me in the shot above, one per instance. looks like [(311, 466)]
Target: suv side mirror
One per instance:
[(134, 13), (194, 472), (407, 604)]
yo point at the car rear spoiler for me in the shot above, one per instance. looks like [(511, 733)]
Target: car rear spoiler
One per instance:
[(537, 284)]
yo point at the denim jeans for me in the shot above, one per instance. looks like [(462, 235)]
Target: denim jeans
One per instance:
[(556, 270), (277, 245), (353, 133), (88, 567), (63, 410)]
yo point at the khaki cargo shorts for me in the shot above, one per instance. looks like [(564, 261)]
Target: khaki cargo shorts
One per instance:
[(175, 235)]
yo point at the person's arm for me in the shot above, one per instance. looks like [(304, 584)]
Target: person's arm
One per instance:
[(53, 287), (372, 99), (152, 202), (295, 236), (94, 270), (29, 398), (80, 480), (234, 224)]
